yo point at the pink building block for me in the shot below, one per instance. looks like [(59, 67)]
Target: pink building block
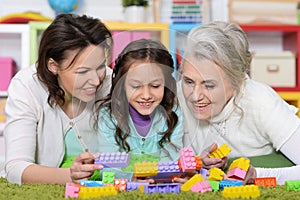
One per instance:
[(236, 173), (201, 187), (7, 71), (72, 190), (187, 160)]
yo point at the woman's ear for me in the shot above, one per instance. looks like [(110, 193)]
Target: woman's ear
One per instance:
[(52, 66)]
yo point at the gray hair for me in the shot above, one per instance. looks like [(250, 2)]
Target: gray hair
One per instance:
[(224, 44)]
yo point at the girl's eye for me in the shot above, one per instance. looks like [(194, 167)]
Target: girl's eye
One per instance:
[(101, 67), (156, 86)]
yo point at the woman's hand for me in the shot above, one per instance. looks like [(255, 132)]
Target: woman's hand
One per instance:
[(209, 163), (83, 167), (143, 180)]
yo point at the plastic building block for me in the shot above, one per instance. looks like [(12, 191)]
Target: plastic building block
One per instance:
[(187, 160), (72, 190), (215, 174), (215, 185), (120, 184), (265, 181), (113, 160), (135, 185), (292, 185), (145, 169), (237, 173), (201, 187), (108, 177), (162, 188), (204, 173), (96, 192), (90, 183), (241, 163), (221, 152), (229, 183), (247, 191), (191, 182), (166, 170), (198, 162)]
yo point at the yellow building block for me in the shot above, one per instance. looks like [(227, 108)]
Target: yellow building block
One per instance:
[(241, 163), (191, 182), (215, 174), (221, 152), (244, 192), (145, 169), (96, 192)]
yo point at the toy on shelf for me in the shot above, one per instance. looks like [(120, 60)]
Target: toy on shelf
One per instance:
[(23, 18)]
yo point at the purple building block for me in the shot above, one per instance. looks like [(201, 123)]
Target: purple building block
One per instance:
[(113, 160), (134, 185), (162, 188), (166, 170), (204, 173)]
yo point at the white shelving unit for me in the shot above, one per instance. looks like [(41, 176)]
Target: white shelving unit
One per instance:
[(15, 43)]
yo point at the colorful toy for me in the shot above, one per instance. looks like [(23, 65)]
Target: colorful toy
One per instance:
[(22, 18), (265, 182), (247, 191), (221, 152), (113, 160)]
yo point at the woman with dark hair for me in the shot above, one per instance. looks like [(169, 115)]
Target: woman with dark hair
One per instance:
[(141, 113), (50, 105)]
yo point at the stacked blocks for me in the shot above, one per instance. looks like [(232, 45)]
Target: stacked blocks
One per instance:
[(167, 169), (238, 168), (113, 160), (145, 169), (89, 183), (187, 160), (221, 152)]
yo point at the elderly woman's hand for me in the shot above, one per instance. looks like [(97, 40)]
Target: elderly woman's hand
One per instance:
[(83, 167), (209, 163)]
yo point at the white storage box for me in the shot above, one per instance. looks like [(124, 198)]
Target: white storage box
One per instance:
[(277, 69)]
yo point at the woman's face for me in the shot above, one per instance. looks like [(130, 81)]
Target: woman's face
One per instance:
[(206, 88), (84, 75), (144, 86)]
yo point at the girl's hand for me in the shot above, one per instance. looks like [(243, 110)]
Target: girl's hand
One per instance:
[(83, 167), (143, 180), (209, 163)]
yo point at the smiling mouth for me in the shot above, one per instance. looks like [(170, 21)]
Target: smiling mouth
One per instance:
[(200, 106), (90, 90), (146, 104)]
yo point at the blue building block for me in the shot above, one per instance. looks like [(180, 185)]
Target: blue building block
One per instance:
[(229, 183), (90, 183)]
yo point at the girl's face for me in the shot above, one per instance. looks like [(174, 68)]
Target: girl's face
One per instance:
[(83, 77), (206, 88), (144, 86)]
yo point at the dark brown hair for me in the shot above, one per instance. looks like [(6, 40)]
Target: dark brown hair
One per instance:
[(67, 32), (149, 51)]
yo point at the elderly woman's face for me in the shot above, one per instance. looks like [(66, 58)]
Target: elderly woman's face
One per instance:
[(206, 88)]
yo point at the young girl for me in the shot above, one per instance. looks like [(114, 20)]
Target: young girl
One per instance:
[(141, 114)]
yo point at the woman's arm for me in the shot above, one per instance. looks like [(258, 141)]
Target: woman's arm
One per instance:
[(291, 150)]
